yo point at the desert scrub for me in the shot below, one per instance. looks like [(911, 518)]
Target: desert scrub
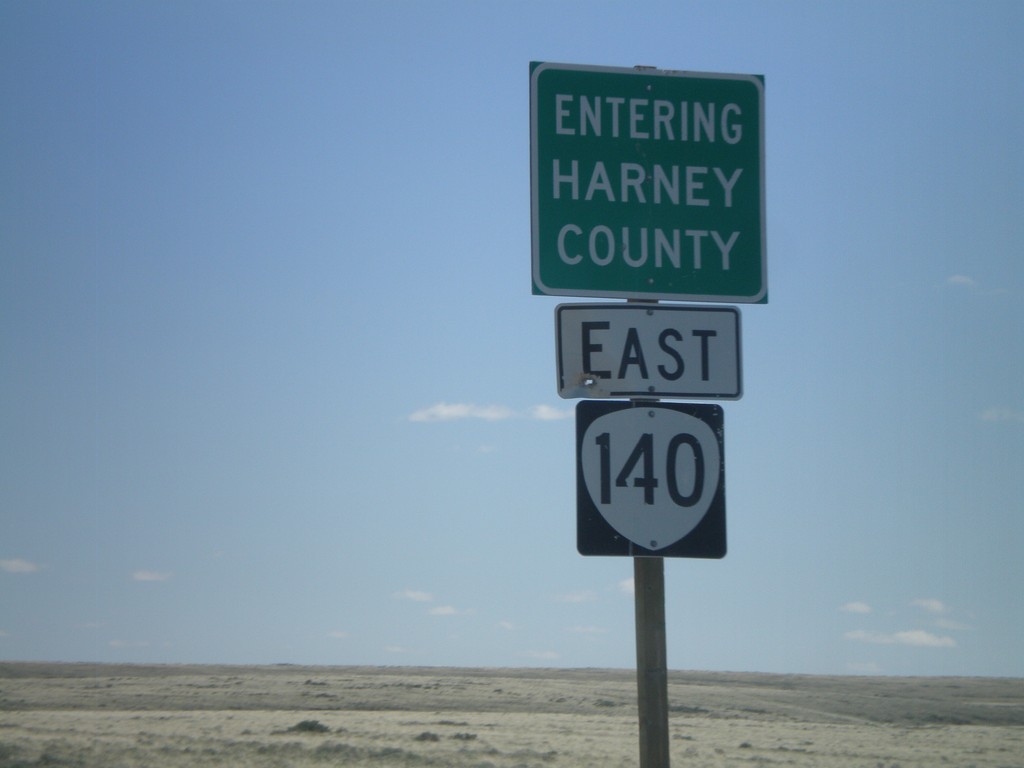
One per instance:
[(309, 726)]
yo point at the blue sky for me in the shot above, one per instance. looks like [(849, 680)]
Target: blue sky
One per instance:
[(274, 388)]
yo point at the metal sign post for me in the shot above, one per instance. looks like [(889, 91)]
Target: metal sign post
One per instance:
[(651, 661), (648, 185)]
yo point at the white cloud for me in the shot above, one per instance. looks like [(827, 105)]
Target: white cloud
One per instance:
[(415, 595), (419, 596), (856, 607), (338, 634), (587, 630), (129, 643), (548, 413), (508, 626), (443, 610), (627, 587), (17, 565), (921, 638), (930, 604), (913, 637), (940, 610), (395, 649), (4, 633), (456, 411), (150, 576), (1003, 415), (452, 411), (960, 280), (583, 596)]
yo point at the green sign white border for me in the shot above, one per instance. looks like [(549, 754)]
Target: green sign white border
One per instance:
[(537, 68)]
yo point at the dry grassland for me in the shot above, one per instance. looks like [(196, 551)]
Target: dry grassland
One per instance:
[(106, 716)]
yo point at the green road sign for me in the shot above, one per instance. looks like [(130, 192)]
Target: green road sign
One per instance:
[(647, 184)]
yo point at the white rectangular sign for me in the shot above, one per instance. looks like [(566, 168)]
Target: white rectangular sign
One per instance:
[(648, 350)]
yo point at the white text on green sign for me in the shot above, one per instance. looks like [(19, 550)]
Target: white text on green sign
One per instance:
[(647, 183)]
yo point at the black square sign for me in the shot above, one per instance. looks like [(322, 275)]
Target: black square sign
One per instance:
[(650, 479)]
